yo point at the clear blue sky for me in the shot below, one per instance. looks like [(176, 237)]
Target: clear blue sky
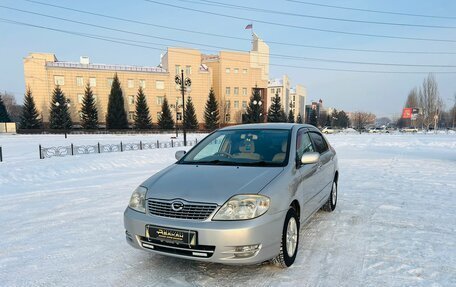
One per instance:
[(383, 94)]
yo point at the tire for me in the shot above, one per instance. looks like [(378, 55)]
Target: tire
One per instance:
[(285, 259), (330, 205)]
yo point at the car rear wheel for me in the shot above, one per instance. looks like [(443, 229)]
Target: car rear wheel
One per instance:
[(330, 205), (290, 240)]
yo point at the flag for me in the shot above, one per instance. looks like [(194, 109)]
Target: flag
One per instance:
[(250, 26)]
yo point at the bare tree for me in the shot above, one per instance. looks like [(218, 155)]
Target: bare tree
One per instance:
[(360, 120), (412, 99), (430, 102)]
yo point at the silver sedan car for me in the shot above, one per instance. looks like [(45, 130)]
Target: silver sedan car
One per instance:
[(238, 197)]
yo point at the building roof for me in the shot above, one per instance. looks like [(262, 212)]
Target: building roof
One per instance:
[(275, 83), (128, 68)]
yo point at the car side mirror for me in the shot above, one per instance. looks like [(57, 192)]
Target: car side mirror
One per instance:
[(310, 157), (180, 154)]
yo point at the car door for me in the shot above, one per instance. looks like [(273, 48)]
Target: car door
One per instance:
[(325, 166), (309, 183)]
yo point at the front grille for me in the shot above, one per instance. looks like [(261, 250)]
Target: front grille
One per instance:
[(190, 210)]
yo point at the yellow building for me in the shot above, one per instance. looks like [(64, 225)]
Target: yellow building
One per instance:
[(231, 74)]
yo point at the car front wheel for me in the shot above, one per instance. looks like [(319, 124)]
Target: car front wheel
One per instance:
[(290, 240)]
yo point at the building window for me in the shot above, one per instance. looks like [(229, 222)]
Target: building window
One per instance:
[(59, 80), (236, 104), (227, 118), (131, 116), (131, 83), (244, 91), (244, 104), (278, 90), (80, 98), (131, 100), (236, 91), (93, 82), (236, 71), (160, 85), (227, 70), (272, 91), (178, 69), (272, 99), (244, 71), (227, 90), (227, 105), (110, 80), (79, 81), (142, 83), (179, 116), (188, 70), (160, 100)]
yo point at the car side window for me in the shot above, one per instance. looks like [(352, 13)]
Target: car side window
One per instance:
[(320, 143), (303, 143)]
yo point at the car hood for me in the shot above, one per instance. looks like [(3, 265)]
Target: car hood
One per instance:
[(208, 183)]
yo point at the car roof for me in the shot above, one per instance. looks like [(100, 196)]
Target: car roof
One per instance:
[(260, 126)]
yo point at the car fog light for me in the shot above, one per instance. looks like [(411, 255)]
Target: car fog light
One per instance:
[(246, 251)]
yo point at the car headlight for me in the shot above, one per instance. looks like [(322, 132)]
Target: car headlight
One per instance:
[(241, 207), (138, 199)]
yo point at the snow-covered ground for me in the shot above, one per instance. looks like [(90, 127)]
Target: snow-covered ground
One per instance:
[(395, 223)]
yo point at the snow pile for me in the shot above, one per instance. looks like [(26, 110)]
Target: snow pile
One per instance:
[(394, 224)]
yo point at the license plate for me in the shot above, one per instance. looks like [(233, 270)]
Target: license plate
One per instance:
[(172, 235)]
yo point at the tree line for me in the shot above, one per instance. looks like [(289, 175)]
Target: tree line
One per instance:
[(116, 117)]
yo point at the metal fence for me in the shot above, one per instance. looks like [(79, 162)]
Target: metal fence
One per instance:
[(72, 149)]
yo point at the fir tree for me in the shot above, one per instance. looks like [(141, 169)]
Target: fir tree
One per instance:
[(165, 122), (142, 115), (190, 120), (254, 109), (89, 111), (313, 118), (59, 113), (116, 117), (4, 117), (211, 113), (275, 111), (291, 116), (30, 117), (299, 119)]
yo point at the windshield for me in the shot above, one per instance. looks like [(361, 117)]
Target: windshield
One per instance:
[(242, 147)]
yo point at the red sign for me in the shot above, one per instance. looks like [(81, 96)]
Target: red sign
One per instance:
[(407, 113)]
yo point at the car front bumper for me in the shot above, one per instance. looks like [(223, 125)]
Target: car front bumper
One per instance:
[(228, 242)]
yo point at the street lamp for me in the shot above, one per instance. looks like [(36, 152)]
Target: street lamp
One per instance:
[(185, 84), (67, 104), (258, 103)]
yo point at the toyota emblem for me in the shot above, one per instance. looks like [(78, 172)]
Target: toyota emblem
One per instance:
[(177, 206)]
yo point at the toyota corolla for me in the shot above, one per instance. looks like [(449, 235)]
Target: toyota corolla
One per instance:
[(238, 197)]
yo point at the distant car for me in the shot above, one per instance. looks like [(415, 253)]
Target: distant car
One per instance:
[(329, 130), (378, 131), (409, 130), (238, 197)]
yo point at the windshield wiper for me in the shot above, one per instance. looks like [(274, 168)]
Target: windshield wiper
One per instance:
[(215, 161), (259, 163)]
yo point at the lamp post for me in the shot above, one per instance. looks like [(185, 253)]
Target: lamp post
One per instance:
[(259, 103), (177, 118), (67, 104), (184, 83)]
